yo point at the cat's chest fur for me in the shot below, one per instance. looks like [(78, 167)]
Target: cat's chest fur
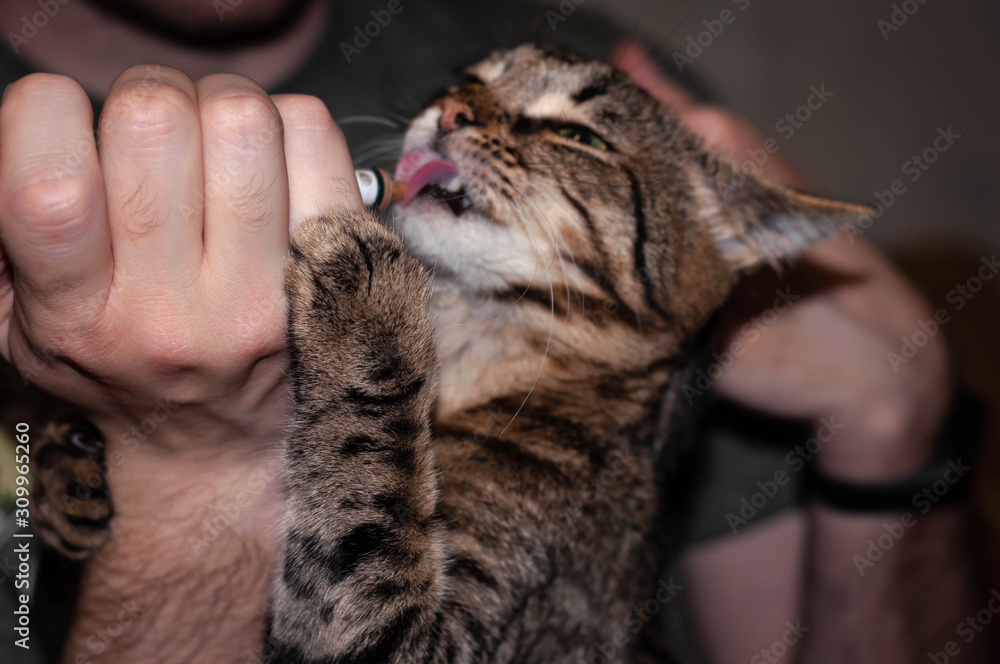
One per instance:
[(489, 349), (480, 352)]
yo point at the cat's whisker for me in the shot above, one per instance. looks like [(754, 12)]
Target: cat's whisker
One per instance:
[(519, 216), (553, 233), (393, 122), (389, 140), (534, 241), (569, 252), (552, 298), (376, 155), (404, 120), (387, 147)]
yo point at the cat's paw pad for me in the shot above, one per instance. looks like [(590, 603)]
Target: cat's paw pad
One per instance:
[(72, 508)]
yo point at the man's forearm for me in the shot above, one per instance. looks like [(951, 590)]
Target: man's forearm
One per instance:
[(185, 577), (206, 611), (889, 588)]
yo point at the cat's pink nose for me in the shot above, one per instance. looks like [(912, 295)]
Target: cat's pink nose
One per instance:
[(455, 114)]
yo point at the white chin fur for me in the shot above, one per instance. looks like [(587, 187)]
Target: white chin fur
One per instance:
[(479, 253)]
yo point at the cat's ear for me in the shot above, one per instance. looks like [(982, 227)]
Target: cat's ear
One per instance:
[(755, 221)]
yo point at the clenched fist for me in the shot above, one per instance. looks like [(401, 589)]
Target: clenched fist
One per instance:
[(143, 269)]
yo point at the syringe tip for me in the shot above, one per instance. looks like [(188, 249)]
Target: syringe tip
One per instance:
[(378, 189)]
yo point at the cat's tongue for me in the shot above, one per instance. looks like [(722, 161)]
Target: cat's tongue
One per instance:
[(423, 167)]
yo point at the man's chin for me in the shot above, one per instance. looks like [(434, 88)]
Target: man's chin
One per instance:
[(217, 23)]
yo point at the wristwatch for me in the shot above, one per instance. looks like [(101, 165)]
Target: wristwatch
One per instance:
[(944, 480)]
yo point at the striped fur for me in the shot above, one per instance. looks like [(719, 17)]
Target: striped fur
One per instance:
[(472, 474)]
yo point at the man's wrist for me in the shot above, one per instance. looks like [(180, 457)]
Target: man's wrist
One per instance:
[(182, 504), (169, 603), (188, 544)]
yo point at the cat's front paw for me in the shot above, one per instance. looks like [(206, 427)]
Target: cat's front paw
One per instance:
[(358, 314), (347, 267), (72, 508), (339, 253)]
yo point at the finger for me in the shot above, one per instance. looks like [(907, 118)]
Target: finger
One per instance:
[(320, 171), (630, 57), (6, 304), (246, 184), (737, 140), (52, 202), (150, 151)]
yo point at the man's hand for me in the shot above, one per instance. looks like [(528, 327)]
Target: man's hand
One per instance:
[(143, 281), (147, 269)]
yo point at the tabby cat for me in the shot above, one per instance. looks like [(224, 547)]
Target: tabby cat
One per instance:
[(483, 397)]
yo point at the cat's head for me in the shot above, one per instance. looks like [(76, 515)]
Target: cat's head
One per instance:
[(547, 177)]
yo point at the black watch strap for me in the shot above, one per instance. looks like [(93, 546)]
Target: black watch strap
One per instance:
[(944, 480)]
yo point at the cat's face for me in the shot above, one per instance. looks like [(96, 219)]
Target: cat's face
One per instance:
[(545, 173)]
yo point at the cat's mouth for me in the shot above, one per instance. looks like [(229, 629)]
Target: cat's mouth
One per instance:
[(427, 173)]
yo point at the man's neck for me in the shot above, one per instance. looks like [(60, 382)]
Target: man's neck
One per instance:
[(93, 47)]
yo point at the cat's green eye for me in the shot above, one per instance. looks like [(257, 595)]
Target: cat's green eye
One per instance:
[(582, 135)]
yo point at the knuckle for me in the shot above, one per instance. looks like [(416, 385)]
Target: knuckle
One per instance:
[(33, 83), (241, 119), (52, 209), (259, 327), (265, 343), (148, 110), (307, 112)]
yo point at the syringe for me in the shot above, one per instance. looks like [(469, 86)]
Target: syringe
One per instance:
[(378, 189)]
